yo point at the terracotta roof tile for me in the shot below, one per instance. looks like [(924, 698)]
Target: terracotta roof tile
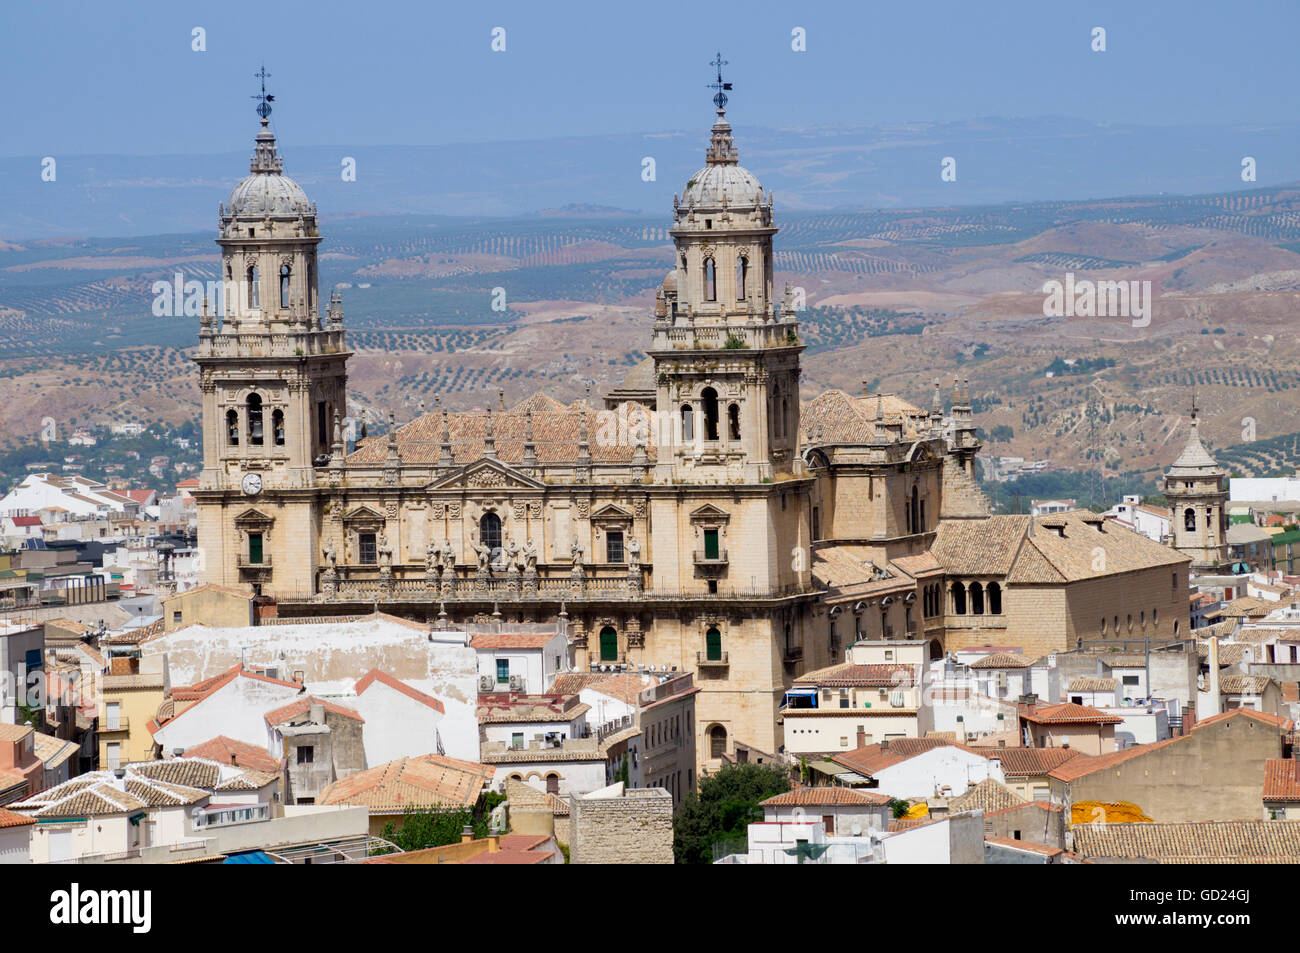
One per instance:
[(225, 750), (1281, 779), (825, 797), (1069, 714), (427, 781), (1205, 842), (302, 706)]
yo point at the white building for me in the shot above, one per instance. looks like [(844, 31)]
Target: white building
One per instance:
[(1151, 521), (920, 767), (520, 661), (401, 721), (1264, 489)]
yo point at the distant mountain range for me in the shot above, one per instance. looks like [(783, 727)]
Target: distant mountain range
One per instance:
[(849, 167)]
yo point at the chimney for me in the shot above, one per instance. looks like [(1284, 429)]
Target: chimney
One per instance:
[(494, 843), (862, 738), (1215, 701), (466, 834), (1002, 742), (884, 744), (317, 713)]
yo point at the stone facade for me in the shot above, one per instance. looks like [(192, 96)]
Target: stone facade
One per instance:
[(617, 826), (709, 523)]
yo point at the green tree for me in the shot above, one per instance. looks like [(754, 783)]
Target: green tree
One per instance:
[(724, 807)]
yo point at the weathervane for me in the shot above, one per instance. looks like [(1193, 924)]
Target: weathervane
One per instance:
[(264, 100), (720, 98)]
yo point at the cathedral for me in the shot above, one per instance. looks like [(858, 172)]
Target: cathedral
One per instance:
[(704, 519)]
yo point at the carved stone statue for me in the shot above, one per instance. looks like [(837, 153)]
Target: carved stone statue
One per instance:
[(511, 555), (576, 552), (331, 556), (432, 559), (633, 553), (484, 554), (385, 552), (530, 555), (448, 555)]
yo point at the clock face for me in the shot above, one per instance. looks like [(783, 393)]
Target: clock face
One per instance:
[(252, 483)]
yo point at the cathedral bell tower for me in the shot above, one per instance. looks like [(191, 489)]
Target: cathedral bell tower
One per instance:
[(1197, 490), (726, 352), (272, 377)]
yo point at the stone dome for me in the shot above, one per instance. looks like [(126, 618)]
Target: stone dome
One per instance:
[(266, 190), (708, 186), (268, 193)]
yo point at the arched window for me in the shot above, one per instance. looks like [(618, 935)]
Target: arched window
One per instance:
[(311, 286), (1189, 520), (733, 422), (710, 281), (232, 428), (608, 644), (284, 286), (489, 534), (742, 277), (976, 599), (709, 397), (995, 599), (958, 599), (713, 644), (277, 427), (1103, 627), (688, 423), (1175, 627), (552, 783), (717, 741), (914, 523), (254, 420), (776, 411), (254, 293)]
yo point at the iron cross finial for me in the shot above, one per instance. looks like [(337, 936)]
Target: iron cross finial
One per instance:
[(720, 98), (264, 100)]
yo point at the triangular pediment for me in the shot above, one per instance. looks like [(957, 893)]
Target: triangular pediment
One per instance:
[(252, 515), (486, 475), (363, 514), (611, 511), (709, 512)]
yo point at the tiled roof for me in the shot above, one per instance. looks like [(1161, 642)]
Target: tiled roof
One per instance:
[(1047, 806), (511, 640), (10, 819), (979, 547), (1243, 684), (1091, 683), (427, 781), (100, 792), (1002, 660), (375, 675), (873, 758), (1229, 654), (1281, 779), (1030, 762), (837, 417), (1069, 714), (1248, 607), (852, 675), (248, 781), (556, 430), (204, 688), (570, 683), (1205, 842), (189, 770), (1075, 556), (10, 732), (988, 795), (833, 795), (225, 750), (302, 706)]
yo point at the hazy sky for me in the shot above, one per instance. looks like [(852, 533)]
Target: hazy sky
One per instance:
[(120, 77)]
